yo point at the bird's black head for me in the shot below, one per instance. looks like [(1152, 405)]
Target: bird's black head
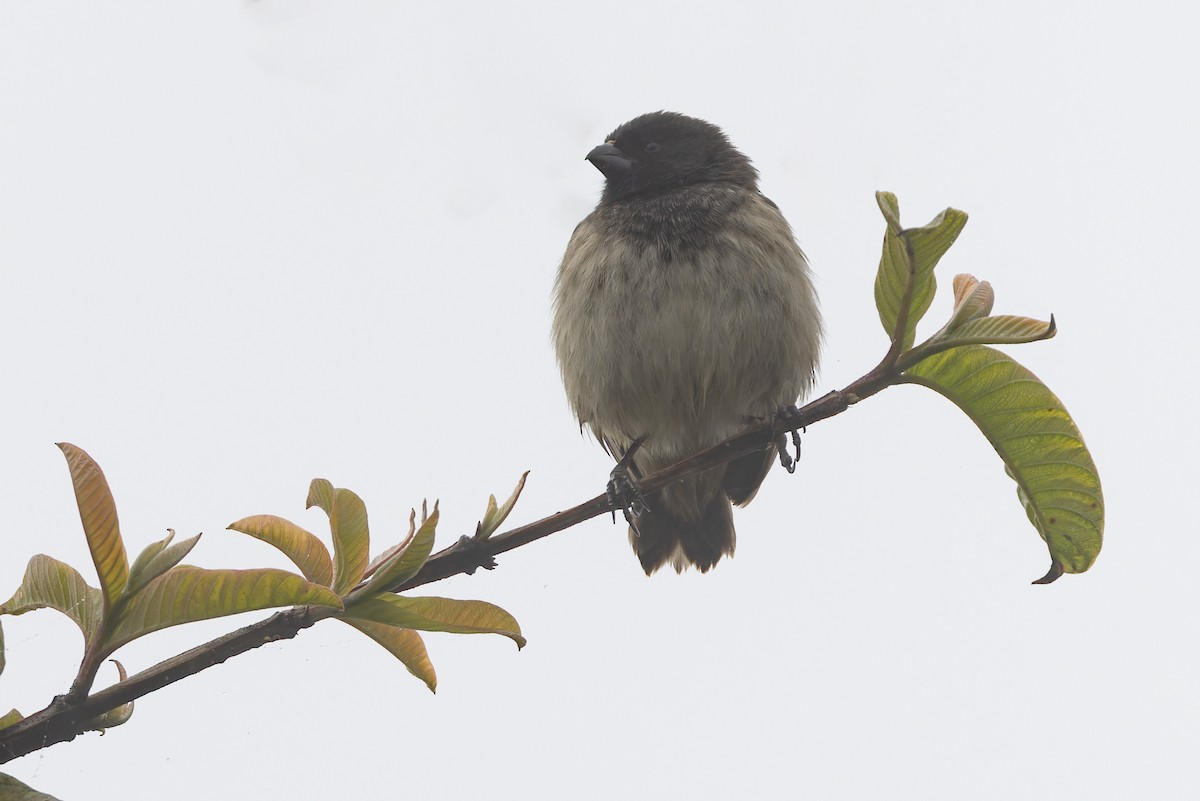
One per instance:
[(662, 151)]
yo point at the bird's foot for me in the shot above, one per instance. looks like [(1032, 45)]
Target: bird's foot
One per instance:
[(622, 489), (785, 458)]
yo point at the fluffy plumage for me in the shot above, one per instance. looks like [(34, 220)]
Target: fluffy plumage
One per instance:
[(683, 307)]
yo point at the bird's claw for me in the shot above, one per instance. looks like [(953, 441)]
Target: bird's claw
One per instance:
[(785, 458), (623, 492), (622, 489)]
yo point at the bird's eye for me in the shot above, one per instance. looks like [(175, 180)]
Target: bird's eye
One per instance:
[(652, 147)]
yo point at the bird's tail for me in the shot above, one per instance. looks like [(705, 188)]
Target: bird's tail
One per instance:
[(663, 537), (691, 522)]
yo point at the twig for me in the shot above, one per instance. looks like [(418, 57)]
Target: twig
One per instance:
[(66, 718)]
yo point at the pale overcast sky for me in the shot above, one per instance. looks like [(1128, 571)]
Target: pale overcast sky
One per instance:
[(245, 244)]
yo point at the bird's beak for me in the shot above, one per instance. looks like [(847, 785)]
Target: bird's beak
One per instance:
[(608, 159)]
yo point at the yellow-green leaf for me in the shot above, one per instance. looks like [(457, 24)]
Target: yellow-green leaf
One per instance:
[(143, 560), (494, 515), (304, 549), (999, 330), (386, 555), (13, 790), (1003, 329), (1042, 449), (405, 563), (404, 644), (98, 513), (156, 559), (2, 656), (186, 594), (972, 299), (351, 540), (113, 717), (438, 614), (320, 493), (909, 256), (9, 718), (51, 584)]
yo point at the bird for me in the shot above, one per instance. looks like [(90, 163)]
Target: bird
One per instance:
[(683, 310)]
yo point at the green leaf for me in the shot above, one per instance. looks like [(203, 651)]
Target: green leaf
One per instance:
[(13, 790), (1042, 449), (494, 516), (113, 717), (2, 657), (999, 330), (320, 493), (304, 549), (156, 559), (406, 562), (9, 718), (904, 285), (351, 540), (1003, 329), (404, 644), (186, 594), (51, 584), (438, 614), (98, 513)]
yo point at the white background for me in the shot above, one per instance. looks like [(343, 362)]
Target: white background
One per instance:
[(247, 244)]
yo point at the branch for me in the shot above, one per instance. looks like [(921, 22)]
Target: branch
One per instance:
[(65, 718)]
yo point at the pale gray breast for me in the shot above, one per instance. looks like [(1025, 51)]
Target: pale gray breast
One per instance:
[(660, 332)]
